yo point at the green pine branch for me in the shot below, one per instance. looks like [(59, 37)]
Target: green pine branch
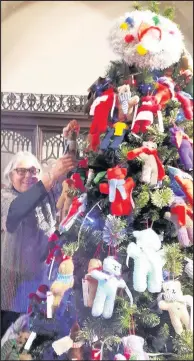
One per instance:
[(173, 259)]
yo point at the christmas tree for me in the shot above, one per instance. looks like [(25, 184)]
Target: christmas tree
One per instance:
[(120, 264)]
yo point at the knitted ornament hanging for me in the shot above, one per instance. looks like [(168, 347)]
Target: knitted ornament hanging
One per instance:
[(145, 42)]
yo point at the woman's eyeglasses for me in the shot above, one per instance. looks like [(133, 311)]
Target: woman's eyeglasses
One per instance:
[(24, 171)]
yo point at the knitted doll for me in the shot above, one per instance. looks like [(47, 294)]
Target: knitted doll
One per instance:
[(66, 197), (76, 351), (63, 282), (100, 110), (185, 181), (109, 280), (166, 91), (181, 216), (176, 304), (181, 183), (119, 190), (124, 107), (37, 298), (148, 261), (70, 133), (77, 207), (70, 345), (184, 145), (153, 170), (91, 283), (145, 115)]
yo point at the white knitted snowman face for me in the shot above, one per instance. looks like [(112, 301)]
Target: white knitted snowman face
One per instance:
[(146, 40), (172, 291), (112, 266)]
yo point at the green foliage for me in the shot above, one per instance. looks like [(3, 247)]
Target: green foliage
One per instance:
[(148, 318), (154, 6), (70, 249), (162, 197), (100, 327), (173, 259), (164, 331), (155, 135), (187, 285), (169, 13), (123, 150), (183, 344), (125, 312), (188, 127), (142, 198), (137, 5)]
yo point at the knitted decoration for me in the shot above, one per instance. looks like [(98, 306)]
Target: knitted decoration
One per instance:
[(61, 284), (184, 145), (149, 46), (133, 346), (109, 280), (189, 268), (176, 304), (181, 216), (181, 183), (148, 261), (153, 170), (145, 115), (119, 190)]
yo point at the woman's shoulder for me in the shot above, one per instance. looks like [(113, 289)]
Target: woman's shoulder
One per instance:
[(7, 194)]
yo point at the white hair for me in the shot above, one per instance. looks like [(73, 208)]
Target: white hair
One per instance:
[(17, 158)]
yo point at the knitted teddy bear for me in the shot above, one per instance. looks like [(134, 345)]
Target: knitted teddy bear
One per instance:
[(148, 261), (109, 280), (181, 216), (133, 346), (92, 284), (119, 190), (63, 282), (66, 197), (145, 115), (153, 170), (127, 102), (176, 304)]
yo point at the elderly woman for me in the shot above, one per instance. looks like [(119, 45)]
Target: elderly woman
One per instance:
[(28, 218)]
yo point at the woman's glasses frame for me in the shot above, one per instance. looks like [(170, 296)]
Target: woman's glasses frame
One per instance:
[(24, 171)]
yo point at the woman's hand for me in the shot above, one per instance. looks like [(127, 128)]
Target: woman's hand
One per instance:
[(62, 166)]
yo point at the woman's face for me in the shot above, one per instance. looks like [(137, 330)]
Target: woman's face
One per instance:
[(25, 175)]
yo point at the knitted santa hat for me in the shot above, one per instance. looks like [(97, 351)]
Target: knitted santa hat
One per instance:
[(40, 294)]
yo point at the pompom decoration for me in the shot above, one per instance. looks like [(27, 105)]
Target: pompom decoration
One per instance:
[(129, 38), (124, 26), (130, 21), (141, 50), (158, 42)]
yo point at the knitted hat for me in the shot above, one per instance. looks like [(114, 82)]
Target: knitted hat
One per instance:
[(40, 294)]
